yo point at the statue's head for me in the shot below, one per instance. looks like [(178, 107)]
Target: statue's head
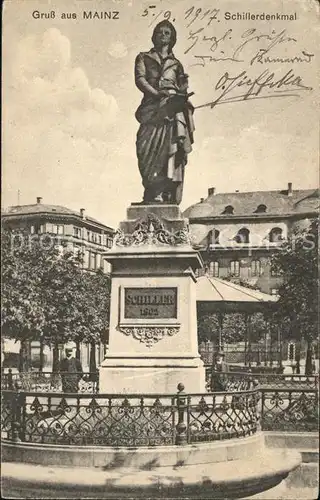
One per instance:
[(164, 33)]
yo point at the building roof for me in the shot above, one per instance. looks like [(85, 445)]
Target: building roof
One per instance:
[(38, 208), (245, 204), (210, 289), (44, 209)]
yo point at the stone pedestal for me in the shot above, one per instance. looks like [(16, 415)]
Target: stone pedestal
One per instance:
[(153, 319)]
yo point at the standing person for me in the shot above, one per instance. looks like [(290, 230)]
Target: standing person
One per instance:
[(218, 379), (165, 134), (71, 372)]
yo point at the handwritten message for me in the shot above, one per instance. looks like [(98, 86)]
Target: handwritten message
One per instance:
[(262, 63)]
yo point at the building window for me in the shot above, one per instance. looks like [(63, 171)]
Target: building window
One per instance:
[(86, 261), (243, 236), (88, 235), (57, 229), (93, 261), (228, 210), (255, 268), (109, 242), (77, 232), (36, 229), (275, 235), (235, 268), (99, 239), (261, 209), (213, 268), (213, 237)]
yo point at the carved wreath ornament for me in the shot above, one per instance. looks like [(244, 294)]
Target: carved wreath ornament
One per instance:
[(149, 335), (151, 231)]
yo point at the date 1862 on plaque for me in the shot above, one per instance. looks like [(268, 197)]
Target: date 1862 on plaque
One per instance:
[(150, 303)]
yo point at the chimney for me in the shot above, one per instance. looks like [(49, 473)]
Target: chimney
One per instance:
[(39, 199), (82, 212), (237, 190), (211, 191), (289, 188), (201, 200)]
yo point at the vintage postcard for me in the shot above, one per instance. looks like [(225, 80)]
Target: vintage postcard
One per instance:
[(160, 206)]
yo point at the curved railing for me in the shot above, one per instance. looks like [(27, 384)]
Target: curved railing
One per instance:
[(35, 407), (48, 381), (233, 381), (289, 410), (128, 420), (288, 402), (244, 380)]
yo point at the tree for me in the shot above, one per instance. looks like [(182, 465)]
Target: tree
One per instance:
[(234, 327), (297, 261), (47, 297), (22, 316), (90, 321)]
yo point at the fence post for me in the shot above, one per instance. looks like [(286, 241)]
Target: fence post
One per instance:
[(10, 380), (262, 392), (181, 427), (17, 400)]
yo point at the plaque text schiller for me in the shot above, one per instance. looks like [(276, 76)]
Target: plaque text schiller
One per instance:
[(150, 303)]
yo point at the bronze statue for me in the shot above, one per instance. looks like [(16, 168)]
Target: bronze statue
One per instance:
[(165, 134)]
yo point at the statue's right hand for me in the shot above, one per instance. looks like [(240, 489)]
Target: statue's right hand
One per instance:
[(163, 93)]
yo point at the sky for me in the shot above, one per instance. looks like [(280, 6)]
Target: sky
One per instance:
[(69, 99)]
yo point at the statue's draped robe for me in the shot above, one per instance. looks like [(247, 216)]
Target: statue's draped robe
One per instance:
[(166, 127)]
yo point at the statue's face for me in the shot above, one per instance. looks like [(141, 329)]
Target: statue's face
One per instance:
[(163, 36)]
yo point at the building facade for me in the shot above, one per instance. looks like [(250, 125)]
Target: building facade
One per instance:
[(236, 233), (74, 231), (71, 231)]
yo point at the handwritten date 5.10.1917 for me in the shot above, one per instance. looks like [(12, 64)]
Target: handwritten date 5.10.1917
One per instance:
[(190, 15)]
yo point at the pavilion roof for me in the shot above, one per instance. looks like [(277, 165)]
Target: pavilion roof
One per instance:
[(221, 294)]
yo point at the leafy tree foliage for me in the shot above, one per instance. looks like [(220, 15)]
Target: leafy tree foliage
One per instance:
[(297, 261), (234, 327), (46, 295)]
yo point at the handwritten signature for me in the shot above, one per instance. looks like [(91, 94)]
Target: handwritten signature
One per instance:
[(217, 47), (264, 86)]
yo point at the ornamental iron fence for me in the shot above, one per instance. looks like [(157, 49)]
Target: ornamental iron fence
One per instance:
[(48, 381), (128, 420), (290, 410), (282, 402), (258, 354), (248, 380)]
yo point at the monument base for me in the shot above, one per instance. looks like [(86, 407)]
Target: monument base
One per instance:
[(153, 343), (153, 376)]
